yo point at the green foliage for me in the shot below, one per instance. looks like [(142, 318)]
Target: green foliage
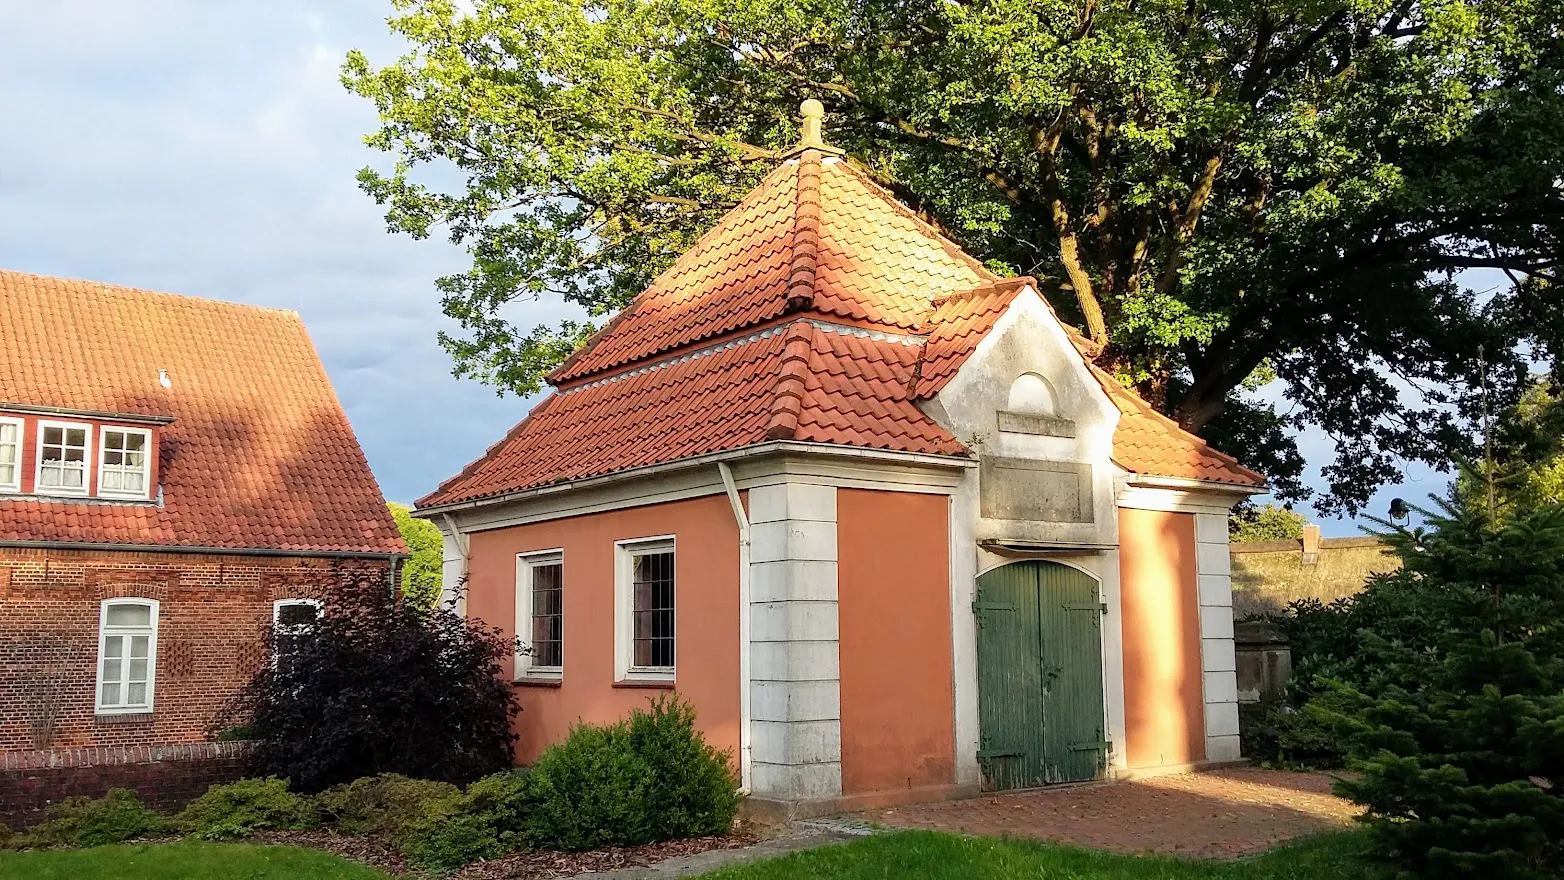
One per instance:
[(423, 570), (382, 805), (241, 808), (589, 791), (1527, 454), (1445, 683), (650, 778), (1233, 190), (114, 818), (484, 822), (1264, 522)]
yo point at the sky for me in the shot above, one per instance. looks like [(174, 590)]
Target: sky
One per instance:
[(207, 147)]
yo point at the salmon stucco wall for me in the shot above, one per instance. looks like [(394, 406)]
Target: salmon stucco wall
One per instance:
[(706, 615), (893, 599), (1163, 701)]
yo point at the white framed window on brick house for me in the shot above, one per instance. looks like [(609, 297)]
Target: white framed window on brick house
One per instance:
[(124, 466), (540, 614), (293, 621), (10, 455), (63, 452), (644, 593), (127, 655)]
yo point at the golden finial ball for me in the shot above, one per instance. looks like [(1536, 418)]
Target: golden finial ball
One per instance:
[(812, 108)]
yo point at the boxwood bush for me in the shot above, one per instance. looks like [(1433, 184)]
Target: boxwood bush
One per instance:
[(652, 777)]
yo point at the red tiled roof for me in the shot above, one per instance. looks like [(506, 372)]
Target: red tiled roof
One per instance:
[(788, 382), (1148, 442), (818, 309), (260, 455)]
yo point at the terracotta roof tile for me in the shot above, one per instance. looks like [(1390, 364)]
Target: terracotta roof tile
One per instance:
[(814, 236), (260, 454)]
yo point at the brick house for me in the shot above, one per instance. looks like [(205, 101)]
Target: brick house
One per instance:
[(870, 508), (175, 475)]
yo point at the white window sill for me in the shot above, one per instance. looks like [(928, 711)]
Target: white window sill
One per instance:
[(659, 677), (125, 496), (125, 712), (540, 676)]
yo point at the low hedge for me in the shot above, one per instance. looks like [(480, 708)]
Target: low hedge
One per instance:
[(239, 809), (79, 821), (648, 778)]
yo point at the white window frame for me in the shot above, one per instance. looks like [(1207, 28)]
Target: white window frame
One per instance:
[(126, 631), (86, 460), (277, 626), (624, 609), (526, 666), (16, 472), (103, 454)]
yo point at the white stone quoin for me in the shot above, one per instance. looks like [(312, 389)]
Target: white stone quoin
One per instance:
[(795, 666), (1218, 661)]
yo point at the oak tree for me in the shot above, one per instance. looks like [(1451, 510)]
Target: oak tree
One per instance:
[(1219, 193)]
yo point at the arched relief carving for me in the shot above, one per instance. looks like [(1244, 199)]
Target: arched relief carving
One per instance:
[(1033, 408), (1034, 394)]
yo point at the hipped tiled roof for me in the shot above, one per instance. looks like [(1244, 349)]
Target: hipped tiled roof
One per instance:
[(819, 309), (260, 454)]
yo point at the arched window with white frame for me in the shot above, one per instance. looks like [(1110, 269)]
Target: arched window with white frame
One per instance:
[(127, 655)]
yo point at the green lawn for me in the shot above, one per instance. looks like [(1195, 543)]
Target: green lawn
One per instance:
[(921, 854), (930, 856), (185, 860)]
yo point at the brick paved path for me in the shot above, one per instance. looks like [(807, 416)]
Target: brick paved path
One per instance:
[(1221, 814)]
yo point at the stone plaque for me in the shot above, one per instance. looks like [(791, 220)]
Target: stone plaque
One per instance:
[(1041, 491), (1033, 423)]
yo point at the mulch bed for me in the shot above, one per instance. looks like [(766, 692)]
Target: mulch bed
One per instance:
[(539, 865)]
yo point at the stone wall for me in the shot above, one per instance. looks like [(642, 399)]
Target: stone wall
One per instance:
[(164, 777), (1270, 574)]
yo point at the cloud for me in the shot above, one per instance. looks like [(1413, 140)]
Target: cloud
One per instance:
[(209, 149)]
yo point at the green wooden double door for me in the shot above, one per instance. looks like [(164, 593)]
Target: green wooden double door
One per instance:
[(1039, 650)]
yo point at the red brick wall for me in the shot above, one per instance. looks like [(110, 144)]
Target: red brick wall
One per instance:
[(166, 778), (213, 611)]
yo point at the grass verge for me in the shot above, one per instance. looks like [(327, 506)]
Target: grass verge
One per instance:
[(184, 860), (930, 855)]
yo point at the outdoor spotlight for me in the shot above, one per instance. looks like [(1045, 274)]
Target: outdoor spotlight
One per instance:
[(1399, 511)]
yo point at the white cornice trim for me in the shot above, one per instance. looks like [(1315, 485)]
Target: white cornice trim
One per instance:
[(1200, 499), (1148, 481), (760, 464)]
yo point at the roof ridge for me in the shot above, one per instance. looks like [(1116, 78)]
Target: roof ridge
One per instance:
[(787, 402), (802, 279), (126, 288), (681, 261), (1016, 281)]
